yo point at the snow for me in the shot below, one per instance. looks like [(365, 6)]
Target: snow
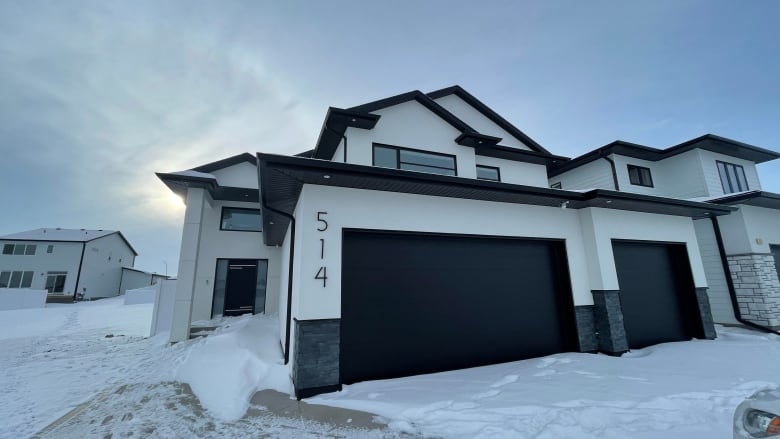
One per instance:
[(140, 295), (95, 357), (21, 298), (191, 173), (58, 234)]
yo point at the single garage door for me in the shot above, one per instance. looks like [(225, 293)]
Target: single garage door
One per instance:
[(422, 303), (657, 293)]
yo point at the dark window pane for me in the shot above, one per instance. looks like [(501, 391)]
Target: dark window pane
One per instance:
[(27, 279), (30, 249), (421, 158), (8, 249), (640, 176), (741, 179), (50, 283), (410, 167), (50, 249), (247, 220), (724, 179), (633, 175), (19, 249), (644, 177), (59, 283), (487, 173), (385, 157), (220, 281), (733, 178), (16, 279), (5, 277), (262, 280)]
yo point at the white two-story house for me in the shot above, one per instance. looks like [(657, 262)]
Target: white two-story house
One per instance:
[(740, 251), (67, 263), (420, 235)]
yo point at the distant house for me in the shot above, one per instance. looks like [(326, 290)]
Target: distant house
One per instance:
[(66, 262)]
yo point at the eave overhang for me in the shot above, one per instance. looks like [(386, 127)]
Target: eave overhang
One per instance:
[(180, 183), (769, 200), (337, 120), (282, 179)]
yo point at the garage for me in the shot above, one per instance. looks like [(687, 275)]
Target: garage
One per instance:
[(415, 303), (657, 293)]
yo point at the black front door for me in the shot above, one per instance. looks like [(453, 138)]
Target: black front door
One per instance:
[(240, 287)]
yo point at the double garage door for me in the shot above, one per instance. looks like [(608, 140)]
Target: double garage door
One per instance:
[(422, 303)]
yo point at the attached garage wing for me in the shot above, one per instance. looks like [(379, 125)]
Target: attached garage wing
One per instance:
[(422, 303), (657, 293)]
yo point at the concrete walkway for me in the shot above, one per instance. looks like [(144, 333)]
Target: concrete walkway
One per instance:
[(280, 404)]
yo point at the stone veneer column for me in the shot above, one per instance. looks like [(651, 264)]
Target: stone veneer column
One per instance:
[(586, 328), (757, 287), (609, 322), (315, 366), (708, 326)]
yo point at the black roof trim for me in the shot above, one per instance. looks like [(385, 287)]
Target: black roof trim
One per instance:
[(307, 154), (708, 142), (335, 125), (226, 163), (282, 179), (769, 200), (423, 99), (180, 183), (521, 155), (489, 113), (477, 140)]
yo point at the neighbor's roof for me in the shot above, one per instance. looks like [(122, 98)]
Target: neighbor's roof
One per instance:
[(64, 235)]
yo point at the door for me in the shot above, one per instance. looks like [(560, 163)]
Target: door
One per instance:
[(422, 303), (239, 286), (657, 293)]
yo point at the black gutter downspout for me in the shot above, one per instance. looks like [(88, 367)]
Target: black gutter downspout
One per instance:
[(289, 279), (78, 274), (730, 284), (614, 171), (340, 135)]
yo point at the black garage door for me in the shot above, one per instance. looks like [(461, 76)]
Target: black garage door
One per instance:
[(656, 293), (421, 303)]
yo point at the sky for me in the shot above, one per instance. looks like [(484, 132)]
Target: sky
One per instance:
[(96, 96)]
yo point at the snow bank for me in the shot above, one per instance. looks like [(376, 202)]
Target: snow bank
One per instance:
[(226, 368), (140, 295), (21, 298)]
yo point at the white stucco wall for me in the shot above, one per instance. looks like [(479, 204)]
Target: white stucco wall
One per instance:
[(750, 229), (64, 257), (241, 175), (594, 175), (478, 121), (101, 272), (621, 168), (224, 244), (516, 172), (682, 176)]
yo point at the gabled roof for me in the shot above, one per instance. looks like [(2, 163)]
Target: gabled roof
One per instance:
[(708, 142), (226, 163), (200, 177), (64, 235), (489, 113), (422, 98), (283, 177), (769, 200)]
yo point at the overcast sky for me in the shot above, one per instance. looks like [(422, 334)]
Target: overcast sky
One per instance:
[(97, 96)]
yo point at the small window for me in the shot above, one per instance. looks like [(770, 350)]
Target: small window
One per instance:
[(5, 277), (8, 249), (488, 173), (732, 177), (556, 185), (16, 279), (50, 248), (27, 277), (242, 220), (395, 157), (640, 176), (30, 250)]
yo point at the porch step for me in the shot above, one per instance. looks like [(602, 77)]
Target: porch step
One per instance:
[(201, 331)]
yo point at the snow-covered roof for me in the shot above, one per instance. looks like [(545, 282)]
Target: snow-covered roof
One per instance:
[(193, 173), (63, 235)]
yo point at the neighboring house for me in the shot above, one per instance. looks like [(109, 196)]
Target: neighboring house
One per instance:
[(132, 278), (740, 251), (420, 235), (65, 262)]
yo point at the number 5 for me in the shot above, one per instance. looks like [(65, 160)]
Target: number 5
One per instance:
[(324, 226)]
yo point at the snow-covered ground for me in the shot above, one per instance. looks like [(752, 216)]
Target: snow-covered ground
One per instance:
[(55, 359)]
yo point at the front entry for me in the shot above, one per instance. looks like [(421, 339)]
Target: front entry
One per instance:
[(239, 287)]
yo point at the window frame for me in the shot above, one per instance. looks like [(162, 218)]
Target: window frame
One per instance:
[(728, 176), (421, 151), (55, 275), (556, 185), (8, 249), (639, 169), (496, 168), (246, 209)]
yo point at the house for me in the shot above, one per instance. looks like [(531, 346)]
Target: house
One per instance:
[(67, 263), (420, 235), (132, 278), (740, 251)]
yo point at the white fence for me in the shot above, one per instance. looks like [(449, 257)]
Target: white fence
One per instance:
[(21, 298), (162, 318)]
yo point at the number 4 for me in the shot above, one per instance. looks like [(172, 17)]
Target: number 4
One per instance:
[(322, 275)]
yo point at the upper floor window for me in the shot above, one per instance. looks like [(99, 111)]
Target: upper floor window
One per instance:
[(640, 176), (396, 157), (240, 219), (488, 173), (556, 185), (19, 249), (732, 177)]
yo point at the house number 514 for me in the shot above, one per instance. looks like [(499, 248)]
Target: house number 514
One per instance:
[(322, 273)]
